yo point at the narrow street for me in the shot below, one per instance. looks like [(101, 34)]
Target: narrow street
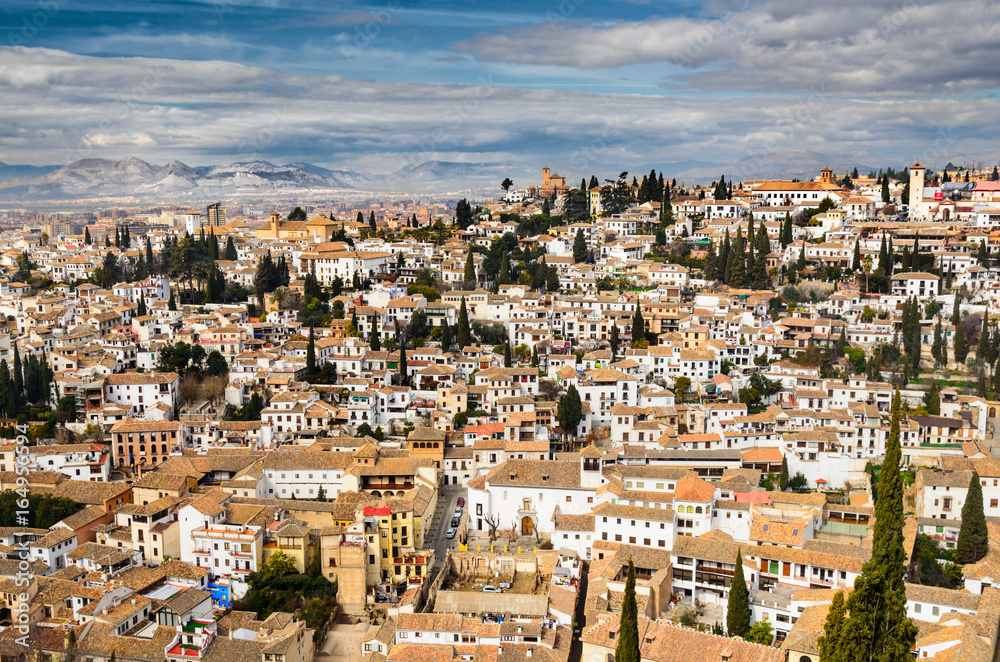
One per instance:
[(435, 537)]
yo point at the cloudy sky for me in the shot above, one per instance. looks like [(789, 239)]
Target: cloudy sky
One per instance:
[(584, 85)]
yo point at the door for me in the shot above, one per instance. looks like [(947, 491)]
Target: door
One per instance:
[(527, 527)]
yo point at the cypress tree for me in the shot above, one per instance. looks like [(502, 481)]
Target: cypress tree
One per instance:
[(569, 411), (783, 475), (961, 348), (171, 302), (579, 247), (614, 341), (464, 330), (508, 361), (723, 261), (141, 310), (311, 353), (404, 373), (638, 325), (883, 256), (833, 627), (446, 340), (856, 262), (627, 649), (86, 236), (7, 397), (534, 356), (786, 231), (738, 614), (231, 254), (973, 539), (371, 222), (938, 346), (885, 190), (878, 627), (470, 269), (375, 341), (18, 379)]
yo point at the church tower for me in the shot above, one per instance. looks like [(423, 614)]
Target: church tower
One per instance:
[(826, 176), (916, 191)]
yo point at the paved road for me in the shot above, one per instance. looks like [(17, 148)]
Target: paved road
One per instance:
[(435, 538)]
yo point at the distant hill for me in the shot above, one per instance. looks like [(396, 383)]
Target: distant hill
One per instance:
[(787, 164)]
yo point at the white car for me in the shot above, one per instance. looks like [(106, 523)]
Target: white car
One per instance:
[(450, 533)]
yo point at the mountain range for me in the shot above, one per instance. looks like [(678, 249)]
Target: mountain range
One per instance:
[(132, 177)]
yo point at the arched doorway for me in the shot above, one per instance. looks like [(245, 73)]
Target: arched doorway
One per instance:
[(527, 526)]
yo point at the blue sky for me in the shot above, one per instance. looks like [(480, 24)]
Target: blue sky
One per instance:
[(584, 84)]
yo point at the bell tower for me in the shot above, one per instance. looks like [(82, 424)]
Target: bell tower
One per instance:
[(916, 191), (826, 176)]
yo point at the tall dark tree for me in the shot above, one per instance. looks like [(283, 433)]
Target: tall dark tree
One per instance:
[(885, 190), (231, 254), (627, 649), (638, 325), (311, 353), (856, 261), (877, 627), (374, 341), (464, 329), (446, 340), (508, 360), (18, 379), (470, 269), (614, 341), (783, 475), (87, 239), (569, 411), (580, 247), (738, 614), (973, 538), (830, 639)]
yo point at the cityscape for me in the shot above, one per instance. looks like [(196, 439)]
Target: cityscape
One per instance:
[(432, 331)]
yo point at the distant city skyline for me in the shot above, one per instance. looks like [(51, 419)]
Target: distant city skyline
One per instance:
[(578, 85)]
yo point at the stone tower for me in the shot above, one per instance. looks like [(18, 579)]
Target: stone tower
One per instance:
[(916, 191)]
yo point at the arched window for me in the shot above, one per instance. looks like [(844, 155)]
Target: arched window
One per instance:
[(698, 510), (690, 509), (142, 448), (805, 658), (121, 451), (164, 448)]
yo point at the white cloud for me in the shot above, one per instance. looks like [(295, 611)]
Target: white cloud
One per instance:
[(864, 47), (59, 107)]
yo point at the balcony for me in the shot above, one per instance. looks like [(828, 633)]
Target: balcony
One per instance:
[(715, 571)]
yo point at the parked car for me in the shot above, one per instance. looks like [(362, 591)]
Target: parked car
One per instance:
[(457, 513), (461, 502), (450, 533), (455, 521), (491, 589)]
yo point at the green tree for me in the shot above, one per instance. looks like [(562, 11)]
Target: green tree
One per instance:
[(311, 353), (885, 190), (973, 539), (627, 649), (783, 476), (470, 269), (580, 247), (464, 330), (937, 348), (761, 633), (877, 627), (87, 239), (638, 325), (320, 495), (614, 341), (738, 606), (830, 639), (569, 411), (932, 399), (231, 253), (446, 340), (681, 386), (507, 360), (297, 214), (18, 383)]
